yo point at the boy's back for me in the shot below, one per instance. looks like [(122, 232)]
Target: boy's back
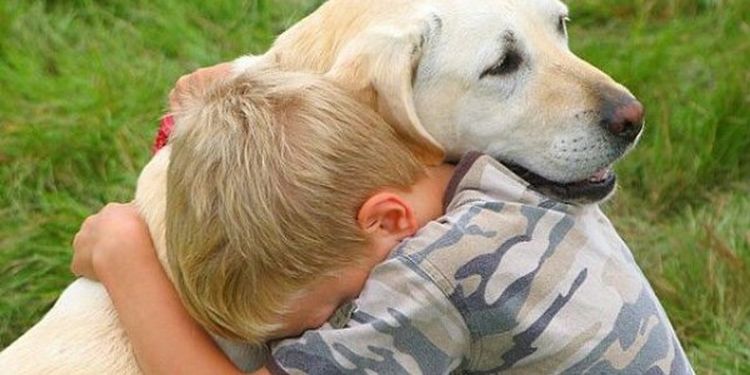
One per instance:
[(507, 280)]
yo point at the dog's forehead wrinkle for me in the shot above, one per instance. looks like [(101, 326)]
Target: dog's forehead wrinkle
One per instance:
[(509, 38), (437, 23)]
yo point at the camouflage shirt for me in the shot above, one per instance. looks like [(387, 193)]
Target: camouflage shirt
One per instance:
[(508, 281)]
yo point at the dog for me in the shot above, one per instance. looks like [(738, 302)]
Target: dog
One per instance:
[(495, 76)]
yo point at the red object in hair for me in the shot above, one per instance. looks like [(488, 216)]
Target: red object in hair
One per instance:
[(165, 128)]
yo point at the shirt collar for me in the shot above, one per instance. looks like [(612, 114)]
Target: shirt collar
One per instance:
[(478, 172), (462, 168)]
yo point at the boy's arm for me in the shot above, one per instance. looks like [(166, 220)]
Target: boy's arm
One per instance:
[(403, 324), (115, 247)]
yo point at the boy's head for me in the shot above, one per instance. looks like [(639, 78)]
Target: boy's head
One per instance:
[(267, 176)]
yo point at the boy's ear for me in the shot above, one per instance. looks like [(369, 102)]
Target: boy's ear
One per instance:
[(387, 215)]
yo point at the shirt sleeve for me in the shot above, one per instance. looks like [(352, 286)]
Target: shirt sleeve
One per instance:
[(403, 324)]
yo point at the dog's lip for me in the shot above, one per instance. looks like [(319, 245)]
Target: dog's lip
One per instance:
[(595, 188)]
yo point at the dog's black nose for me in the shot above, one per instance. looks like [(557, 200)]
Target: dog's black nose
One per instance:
[(624, 120)]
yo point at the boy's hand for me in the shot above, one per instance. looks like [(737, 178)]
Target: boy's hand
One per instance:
[(113, 236), (196, 80), (115, 247)]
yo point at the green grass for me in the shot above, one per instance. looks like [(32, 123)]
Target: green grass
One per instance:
[(83, 82), (684, 203)]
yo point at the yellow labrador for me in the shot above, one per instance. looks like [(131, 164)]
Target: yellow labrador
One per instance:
[(450, 76)]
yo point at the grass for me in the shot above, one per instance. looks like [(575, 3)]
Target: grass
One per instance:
[(83, 83), (683, 206)]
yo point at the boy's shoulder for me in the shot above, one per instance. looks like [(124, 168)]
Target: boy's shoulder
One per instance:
[(491, 213), (538, 281)]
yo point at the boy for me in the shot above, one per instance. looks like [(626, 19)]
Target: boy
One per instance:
[(507, 280), (265, 176), (279, 203)]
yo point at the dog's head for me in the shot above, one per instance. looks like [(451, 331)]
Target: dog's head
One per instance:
[(498, 76), (489, 75)]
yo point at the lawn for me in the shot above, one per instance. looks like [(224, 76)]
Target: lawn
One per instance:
[(83, 82)]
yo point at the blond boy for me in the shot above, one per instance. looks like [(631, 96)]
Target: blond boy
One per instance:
[(283, 193)]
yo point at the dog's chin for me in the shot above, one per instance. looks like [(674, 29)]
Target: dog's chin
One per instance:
[(596, 188)]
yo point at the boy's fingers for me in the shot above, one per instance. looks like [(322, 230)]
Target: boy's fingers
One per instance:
[(81, 234), (174, 104), (177, 91), (195, 81), (114, 219), (79, 243), (90, 224)]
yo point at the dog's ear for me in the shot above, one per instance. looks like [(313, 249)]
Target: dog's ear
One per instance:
[(378, 66)]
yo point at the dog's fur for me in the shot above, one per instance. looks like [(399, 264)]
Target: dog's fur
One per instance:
[(450, 76)]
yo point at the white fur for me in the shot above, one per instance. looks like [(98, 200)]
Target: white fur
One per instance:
[(81, 333)]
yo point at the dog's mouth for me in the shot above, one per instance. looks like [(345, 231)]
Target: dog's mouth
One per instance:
[(593, 189)]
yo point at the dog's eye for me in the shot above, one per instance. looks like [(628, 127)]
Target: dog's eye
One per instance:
[(562, 25), (510, 63)]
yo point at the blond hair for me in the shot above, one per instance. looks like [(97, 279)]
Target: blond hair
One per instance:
[(267, 173)]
